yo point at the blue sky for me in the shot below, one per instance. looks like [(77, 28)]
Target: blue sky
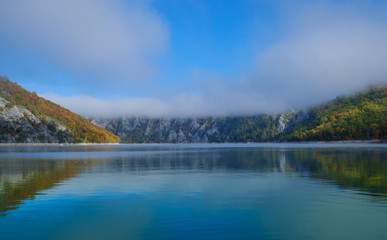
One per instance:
[(193, 57)]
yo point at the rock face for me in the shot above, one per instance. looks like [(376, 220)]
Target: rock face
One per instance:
[(18, 125), (27, 118), (145, 130), (287, 120), (260, 128)]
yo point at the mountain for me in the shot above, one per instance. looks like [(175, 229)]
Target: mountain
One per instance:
[(189, 130), (260, 128), (27, 118), (359, 117), (362, 116)]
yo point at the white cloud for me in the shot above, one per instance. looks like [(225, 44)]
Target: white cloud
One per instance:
[(178, 106), (89, 106), (104, 39), (183, 105), (325, 53)]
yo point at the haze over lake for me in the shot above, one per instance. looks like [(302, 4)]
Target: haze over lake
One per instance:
[(214, 191)]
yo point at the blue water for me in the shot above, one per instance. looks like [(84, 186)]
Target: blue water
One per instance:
[(227, 191)]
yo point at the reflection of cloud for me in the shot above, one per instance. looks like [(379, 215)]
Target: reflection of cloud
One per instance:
[(102, 39)]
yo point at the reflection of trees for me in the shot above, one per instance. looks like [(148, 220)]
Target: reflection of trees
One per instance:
[(361, 169), (23, 179), (366, 170)]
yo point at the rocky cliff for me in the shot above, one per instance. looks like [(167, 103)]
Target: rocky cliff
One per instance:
[(362, 116), (146, 130), (19, 125), (27, 118), (258, 128)]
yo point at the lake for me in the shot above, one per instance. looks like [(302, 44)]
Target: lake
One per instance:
[(184, 191)]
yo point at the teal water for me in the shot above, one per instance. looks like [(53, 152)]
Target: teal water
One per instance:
[(226, 191)]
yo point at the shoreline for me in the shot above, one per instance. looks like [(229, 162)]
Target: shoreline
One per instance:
[(56, 144), (117, 144), (343, 141)]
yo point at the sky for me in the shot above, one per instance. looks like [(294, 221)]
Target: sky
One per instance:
[(192, 58)]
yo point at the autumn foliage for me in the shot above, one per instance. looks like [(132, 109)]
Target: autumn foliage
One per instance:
[(359, 117), (80, 129)]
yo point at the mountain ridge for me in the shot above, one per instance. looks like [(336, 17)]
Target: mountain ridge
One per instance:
[(27, 118), (341, 119), (258, 128)]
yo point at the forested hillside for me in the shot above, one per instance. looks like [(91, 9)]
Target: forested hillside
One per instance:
[(26, 117), (361, 117)]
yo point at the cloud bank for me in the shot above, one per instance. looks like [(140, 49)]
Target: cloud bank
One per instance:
[(328, 55), (325, 53), (98, 39)]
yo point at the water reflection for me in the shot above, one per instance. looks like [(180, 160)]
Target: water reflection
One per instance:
[(26, 172), (22, 179)]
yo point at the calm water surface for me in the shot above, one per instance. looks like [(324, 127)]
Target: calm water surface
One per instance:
[(241, 191)]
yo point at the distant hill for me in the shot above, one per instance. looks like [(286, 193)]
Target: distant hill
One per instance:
[(359, 117), (259, 128), (193, 130), (362, 116), (27, 118)]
